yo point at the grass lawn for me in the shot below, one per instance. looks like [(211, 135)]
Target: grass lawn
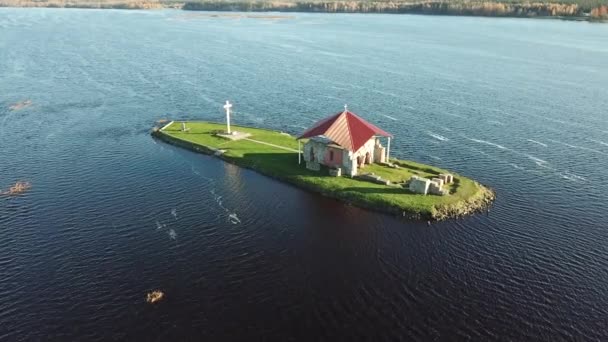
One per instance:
[(283, 164)]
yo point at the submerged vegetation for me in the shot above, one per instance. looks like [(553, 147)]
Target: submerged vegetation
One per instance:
[(274, 154), (154, 296), (17, 189), (20, 105), (573, 9)]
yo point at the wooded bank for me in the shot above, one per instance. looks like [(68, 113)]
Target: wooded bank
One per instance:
[(594, 10)]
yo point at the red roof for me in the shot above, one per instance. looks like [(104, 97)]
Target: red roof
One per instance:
[(345, 129)]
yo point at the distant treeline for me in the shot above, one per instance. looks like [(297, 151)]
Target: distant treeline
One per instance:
[(105, 4), (600, 13), (585, 9), (473, 8)]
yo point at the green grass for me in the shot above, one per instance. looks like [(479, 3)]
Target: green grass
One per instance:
[(282, 164)]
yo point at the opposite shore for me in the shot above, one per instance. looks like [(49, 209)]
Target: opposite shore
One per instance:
[(274, 154), (583, 10)]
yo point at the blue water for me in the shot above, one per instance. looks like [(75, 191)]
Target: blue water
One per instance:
[(520, 105)]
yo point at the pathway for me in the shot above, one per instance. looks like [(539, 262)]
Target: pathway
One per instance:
[(273, 145)]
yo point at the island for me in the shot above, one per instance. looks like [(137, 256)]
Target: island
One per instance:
[(342, 159)]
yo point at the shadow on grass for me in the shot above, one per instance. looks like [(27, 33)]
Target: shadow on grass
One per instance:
[(415, 167), (374, 190), (455, 186), (286, 165), (281, 163)]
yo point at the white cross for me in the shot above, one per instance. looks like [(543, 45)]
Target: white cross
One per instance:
[(345, 108), (227, 107)]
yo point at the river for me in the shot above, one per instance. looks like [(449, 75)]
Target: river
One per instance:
[(517, 104)]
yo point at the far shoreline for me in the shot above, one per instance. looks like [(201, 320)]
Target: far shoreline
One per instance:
[(256, 9)]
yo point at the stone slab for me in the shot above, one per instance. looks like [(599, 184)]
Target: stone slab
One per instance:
[(370, 177), (447, 178), (419, 185), (435, 189), (438, 181)]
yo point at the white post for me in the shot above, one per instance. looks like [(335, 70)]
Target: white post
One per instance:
[(299, 153), (227, 107), (388, 150)]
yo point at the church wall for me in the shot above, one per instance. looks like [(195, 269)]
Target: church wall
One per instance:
[(319, 149), (337, 157), (342, 158)]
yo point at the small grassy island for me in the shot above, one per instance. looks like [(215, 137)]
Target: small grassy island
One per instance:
[(275, 154)]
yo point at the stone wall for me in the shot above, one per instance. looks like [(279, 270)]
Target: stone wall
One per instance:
[(368, 147), (318, 151), (348, 163), (379, 152)]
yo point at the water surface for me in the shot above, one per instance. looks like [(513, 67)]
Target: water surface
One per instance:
[(519, 105)]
